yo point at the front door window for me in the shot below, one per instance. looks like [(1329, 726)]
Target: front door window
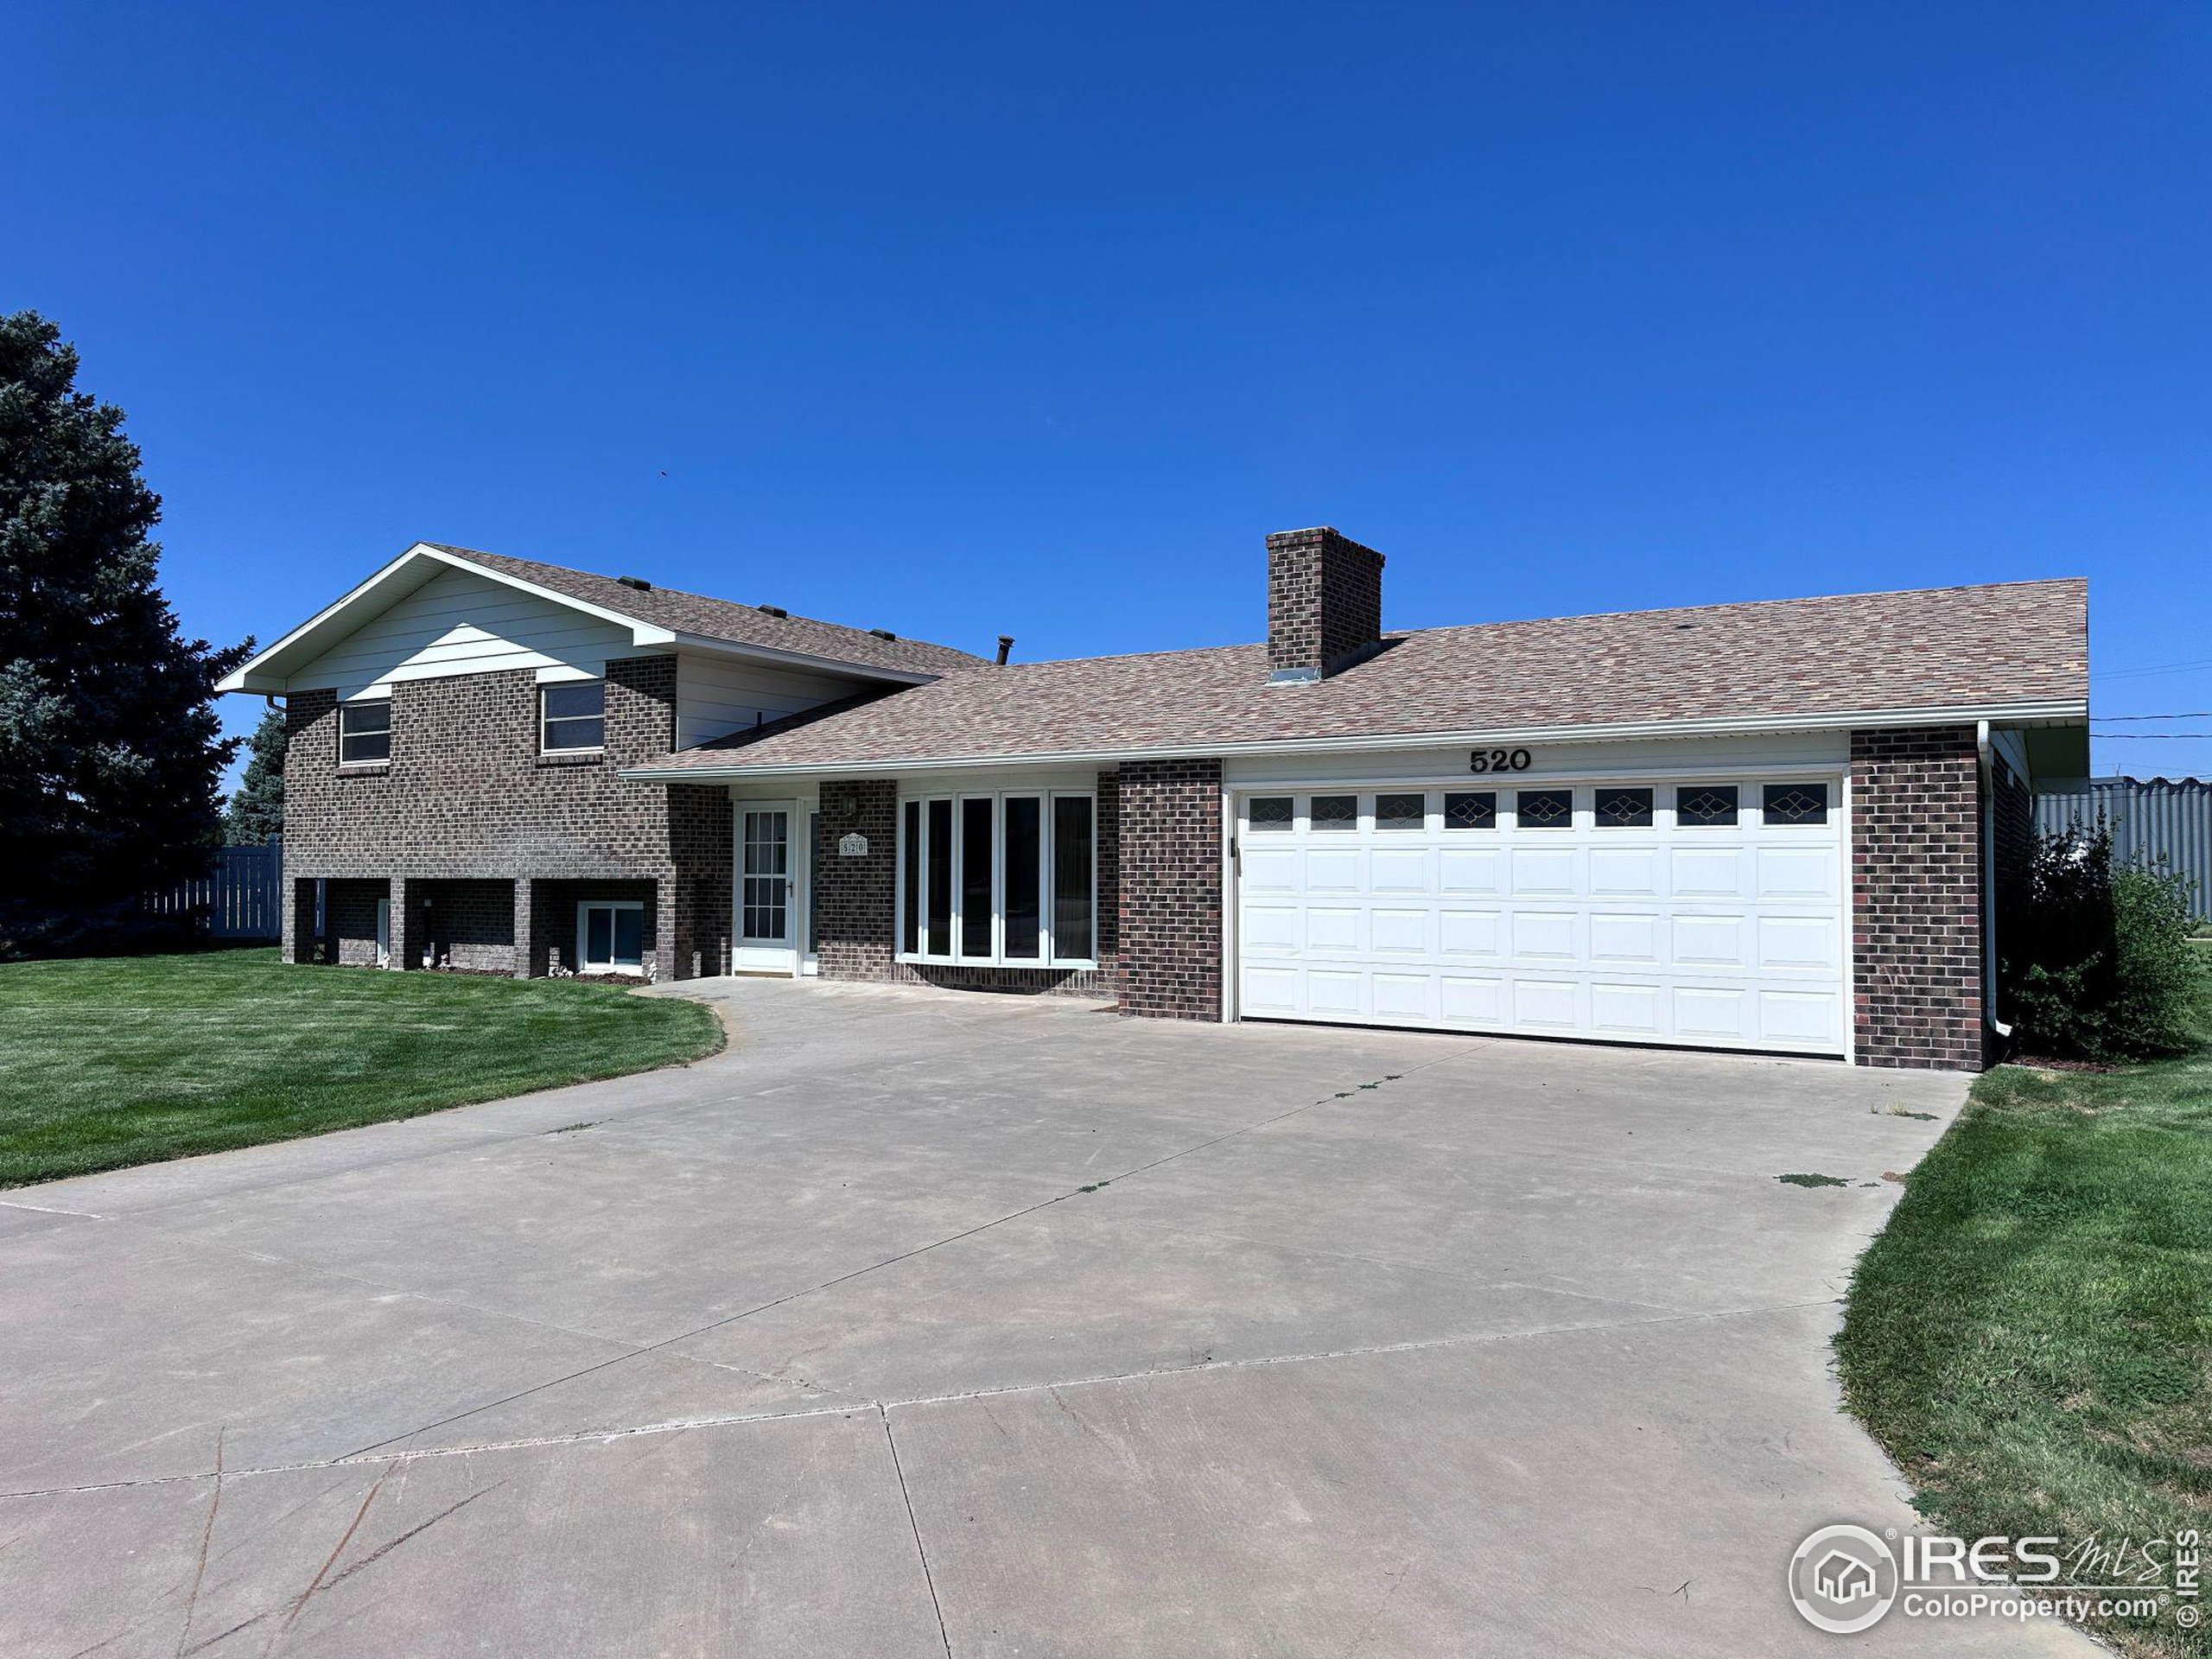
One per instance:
[(764, 901)]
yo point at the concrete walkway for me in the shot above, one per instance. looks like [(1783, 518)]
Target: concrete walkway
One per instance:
[(920, 1325)]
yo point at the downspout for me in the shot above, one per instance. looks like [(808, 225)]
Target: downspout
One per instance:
[(1988, 879)]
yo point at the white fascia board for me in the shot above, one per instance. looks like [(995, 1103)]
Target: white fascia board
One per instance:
[(2061, 712), (263, 671), (713, 647)]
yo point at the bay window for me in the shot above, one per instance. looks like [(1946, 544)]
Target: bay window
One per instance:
[(1004, 877)]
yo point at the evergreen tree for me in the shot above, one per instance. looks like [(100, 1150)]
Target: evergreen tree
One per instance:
[(254, 812), (110, 750)]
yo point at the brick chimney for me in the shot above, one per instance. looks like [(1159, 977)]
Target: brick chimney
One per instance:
[(1324, 604)]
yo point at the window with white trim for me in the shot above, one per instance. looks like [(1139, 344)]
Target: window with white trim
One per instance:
[(999, 878), (364, 732), (572, 716)]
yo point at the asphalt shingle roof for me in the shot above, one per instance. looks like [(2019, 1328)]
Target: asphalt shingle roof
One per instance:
[(1898, 653), (724, 618)]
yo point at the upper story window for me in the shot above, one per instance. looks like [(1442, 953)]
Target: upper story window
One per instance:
[(364, 732), (572, 716)]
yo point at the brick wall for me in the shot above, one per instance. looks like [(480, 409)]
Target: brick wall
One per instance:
[(1170, 938), (470, 924), (1324, 599), (853, 898), (467, 795), (1916, 859)]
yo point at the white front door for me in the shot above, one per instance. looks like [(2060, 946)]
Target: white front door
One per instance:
[(1704, 912), (766, 911)]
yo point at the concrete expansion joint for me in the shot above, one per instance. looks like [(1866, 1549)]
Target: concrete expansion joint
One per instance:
[(378, 1456)]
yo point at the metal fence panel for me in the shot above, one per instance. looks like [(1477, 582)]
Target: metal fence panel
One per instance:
[(2152, 819)]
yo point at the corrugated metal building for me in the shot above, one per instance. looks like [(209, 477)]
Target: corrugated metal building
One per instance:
[(2152, 818)]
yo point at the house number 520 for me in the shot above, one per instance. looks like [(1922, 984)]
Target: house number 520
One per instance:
[(1498, 760)]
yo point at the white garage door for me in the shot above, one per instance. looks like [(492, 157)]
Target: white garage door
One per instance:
[(1703, 913)]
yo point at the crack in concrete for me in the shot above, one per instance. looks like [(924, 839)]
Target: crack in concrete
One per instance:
[(920, 1551)]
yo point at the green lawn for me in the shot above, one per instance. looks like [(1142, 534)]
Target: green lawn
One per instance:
[(115, 1062), (2031, 1336)]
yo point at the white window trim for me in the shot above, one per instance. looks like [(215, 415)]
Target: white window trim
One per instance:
[(354, 707), (1047, 956), (584, 965), (544, 720)]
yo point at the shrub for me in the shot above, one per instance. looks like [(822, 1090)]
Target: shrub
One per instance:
[(2096, 961)]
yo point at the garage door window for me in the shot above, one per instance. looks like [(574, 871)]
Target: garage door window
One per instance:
[(1623, 808), (1706, 806), (1545, 808), (998, 878), (1401, 811), (1335, 812), (1473, 808), (1272, 813), (1796, 803)]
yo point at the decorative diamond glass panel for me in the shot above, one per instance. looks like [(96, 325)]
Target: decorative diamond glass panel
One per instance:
[(1623, 808), (1024, 868), (1706, 806), (910, 933), (1334, 812), (938, 932), (764, 901), (1401, 811), (1474, 809), (1072, 894), (1796, 803), (364, 732), (1545, 808), (1270, 812)]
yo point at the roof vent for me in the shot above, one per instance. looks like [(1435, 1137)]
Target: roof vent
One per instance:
[(883, 633), (773, 610), (637, 582), (1006, 648)]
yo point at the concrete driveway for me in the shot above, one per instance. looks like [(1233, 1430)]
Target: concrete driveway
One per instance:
[(921, 1324)]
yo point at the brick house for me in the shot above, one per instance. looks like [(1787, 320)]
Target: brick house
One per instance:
[(1782, 826)]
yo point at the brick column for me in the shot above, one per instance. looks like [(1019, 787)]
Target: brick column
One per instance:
[(666, 964), (1170, 941), (856, 932), (302, 943), (406, 926), (1915, 898), (529, 950)]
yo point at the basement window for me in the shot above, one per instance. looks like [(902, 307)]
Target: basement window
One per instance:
[(572, 716), (999, 878), (364, 732)]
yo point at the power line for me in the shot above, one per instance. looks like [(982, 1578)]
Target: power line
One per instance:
[(2136, 673), (2194, 714)]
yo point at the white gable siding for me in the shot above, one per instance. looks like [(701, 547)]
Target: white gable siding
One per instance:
[(715, 696), (459, 622)]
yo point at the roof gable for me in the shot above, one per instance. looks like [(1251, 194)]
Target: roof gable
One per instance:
[(653, 618)]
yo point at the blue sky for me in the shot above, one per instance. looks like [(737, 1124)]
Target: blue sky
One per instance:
[(1029, 319)]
